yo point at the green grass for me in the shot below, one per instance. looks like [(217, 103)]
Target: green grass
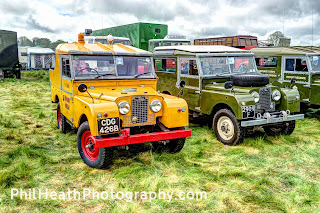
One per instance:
[(263, 174)]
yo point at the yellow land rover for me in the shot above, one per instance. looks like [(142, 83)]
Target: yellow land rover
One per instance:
[(108, 93)]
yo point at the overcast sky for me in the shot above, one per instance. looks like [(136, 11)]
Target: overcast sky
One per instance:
[(64, 19)]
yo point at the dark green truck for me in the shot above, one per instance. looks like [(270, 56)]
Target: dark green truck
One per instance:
[(283, 64), (9, 61), (223, 85), (139, 33)]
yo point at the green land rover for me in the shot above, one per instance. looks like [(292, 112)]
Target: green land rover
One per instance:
[(283, 64), (223, 85)]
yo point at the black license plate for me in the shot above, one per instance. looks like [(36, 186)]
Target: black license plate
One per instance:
[(108, 125), (248, 111)]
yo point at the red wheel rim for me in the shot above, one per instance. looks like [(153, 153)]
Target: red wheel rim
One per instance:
[(59, 118), (88, 146)]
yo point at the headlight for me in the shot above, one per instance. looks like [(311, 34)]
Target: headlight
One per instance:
[(256, 96), (276, 95), (124, 107), (155, 105)]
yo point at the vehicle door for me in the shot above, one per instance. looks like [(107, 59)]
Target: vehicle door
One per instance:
[(189, 73), (314, 79), (166, 69), (66, 104), (297, 67)]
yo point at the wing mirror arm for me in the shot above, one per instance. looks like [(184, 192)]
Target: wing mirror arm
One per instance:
[(182, 84), (292, 82), (83, 88)]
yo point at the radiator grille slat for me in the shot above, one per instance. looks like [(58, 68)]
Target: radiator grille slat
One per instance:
[(265, 98), (139, 106)]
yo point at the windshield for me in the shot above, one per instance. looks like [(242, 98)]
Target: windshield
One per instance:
[(315, 62), (111, 67), (227, 65)]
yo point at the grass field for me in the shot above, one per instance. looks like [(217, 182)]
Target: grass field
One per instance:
[(263, 174)]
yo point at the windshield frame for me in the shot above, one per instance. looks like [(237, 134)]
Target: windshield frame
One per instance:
[(112, 77), (308, 55), (207, 55)]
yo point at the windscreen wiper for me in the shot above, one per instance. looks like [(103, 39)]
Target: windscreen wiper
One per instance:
[(104, 75), (136, 76)]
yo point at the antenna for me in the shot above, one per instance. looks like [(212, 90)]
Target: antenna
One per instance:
[(311, 27), (284, 14)]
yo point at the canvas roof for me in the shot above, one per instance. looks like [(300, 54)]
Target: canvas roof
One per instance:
[(279, 51), (98, 48), (202, 49)]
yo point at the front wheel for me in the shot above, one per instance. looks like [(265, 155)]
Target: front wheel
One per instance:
[(227, 128), (286, 128), (100, 158)]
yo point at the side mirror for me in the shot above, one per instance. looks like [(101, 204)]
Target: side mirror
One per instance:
[(82, 88), (228, 85), (182, 83), (293, 80)]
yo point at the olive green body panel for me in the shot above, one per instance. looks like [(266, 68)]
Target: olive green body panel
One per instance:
[(289, 100), (138, 33)]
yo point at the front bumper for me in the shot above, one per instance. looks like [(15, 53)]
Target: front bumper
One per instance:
[(270, 120), (126, 139)]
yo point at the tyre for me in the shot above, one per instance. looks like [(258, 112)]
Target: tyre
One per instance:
[(62, 121), (250, 80), (227, 128), (100, 158), (286, 128), (172, 146), (176, 145)]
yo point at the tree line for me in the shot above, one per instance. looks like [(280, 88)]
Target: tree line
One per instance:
[(42, 42)]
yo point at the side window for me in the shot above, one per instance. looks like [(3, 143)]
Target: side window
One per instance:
[(266, 62), (289, 64), (66, 67), (189, 67), (1, 42), (301, 65), (156, 44), (150, 46), (298, 65), (166, 65)]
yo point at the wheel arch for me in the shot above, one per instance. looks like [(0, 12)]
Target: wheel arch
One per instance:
[(83, 118), (219, 106)]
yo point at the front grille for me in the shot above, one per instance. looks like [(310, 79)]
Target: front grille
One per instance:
[(139, 109), (127, 121), (265, 99)]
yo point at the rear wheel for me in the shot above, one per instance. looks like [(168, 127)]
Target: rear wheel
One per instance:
[(100, 158), (227, 128), (286, 128), (62, 121)]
